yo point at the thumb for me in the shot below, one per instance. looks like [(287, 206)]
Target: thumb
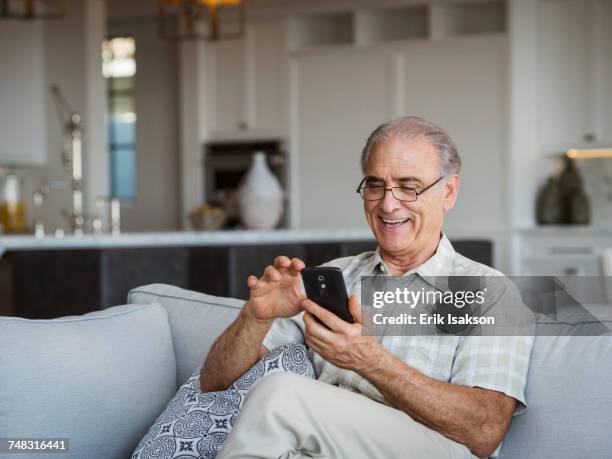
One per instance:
[(355, 308)]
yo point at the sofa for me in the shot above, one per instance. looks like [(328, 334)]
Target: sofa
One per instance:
[(100, 380)]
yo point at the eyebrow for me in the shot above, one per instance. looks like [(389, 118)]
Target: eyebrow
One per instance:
[(409, 179)]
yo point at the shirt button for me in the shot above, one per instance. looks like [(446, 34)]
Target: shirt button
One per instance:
[(381, 267)]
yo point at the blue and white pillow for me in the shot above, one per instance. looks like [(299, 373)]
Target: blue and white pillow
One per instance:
[(196, 424)]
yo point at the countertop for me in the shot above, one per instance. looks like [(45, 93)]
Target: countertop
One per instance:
[(567, 230), (179, 238)]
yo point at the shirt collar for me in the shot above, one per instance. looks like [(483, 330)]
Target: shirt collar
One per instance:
[(439, 264)]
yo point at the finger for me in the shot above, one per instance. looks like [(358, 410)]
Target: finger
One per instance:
[(251, 281), (296, 265), (355, 308), (330, 319), (282, 262), (318, 345), (315, 344), (316, 329), (312, 344), (272, 274), (311, 323)]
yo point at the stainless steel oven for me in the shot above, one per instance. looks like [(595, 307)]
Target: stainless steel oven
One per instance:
[(225, 164)]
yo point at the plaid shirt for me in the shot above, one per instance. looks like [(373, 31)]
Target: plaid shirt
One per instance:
[(499, 363)]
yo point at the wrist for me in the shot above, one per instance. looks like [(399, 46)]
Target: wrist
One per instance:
[(380, 363), (250, 318)]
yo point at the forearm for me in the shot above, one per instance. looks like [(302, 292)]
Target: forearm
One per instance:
[(463, 414), (234, 352)]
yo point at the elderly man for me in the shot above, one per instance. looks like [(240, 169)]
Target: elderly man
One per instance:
[(409, 396)]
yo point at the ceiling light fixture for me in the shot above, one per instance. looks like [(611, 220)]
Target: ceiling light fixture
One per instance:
[(200, 19)]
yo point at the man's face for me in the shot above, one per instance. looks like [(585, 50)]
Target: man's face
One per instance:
[(408, 228)]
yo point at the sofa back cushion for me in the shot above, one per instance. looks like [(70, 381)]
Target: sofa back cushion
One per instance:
[(569, 398), (196, 320), (99, 380)]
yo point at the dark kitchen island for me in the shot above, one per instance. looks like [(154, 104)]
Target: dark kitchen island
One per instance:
[(49, 277)]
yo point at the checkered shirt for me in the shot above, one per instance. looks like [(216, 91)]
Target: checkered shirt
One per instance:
[(499, 363)]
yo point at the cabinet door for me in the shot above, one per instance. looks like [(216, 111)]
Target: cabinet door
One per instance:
[(125, 269), (248, 260), (461, 87), (340, 97), (226, 86), (575, 73), (562, 71), (603, 72), (50, 284), (266, 75), (22, 94)]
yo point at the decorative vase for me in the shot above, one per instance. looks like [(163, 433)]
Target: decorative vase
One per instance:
[(576, 208), (260, 196), (549, 210), (579, 209)]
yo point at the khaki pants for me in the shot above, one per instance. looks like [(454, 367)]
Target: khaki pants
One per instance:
[(289, 416)]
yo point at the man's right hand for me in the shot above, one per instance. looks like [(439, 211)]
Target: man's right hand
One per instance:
[(277, 292)]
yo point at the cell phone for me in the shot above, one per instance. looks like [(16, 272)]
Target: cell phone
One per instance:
[(325, 286)]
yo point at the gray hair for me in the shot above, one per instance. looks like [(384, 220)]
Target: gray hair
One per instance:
[(415, 128)]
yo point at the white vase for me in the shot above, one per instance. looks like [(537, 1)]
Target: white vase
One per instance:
[(261, 196)]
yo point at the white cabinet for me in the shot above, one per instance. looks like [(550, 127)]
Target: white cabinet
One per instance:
[(226, 87), (373, 22), (574, 60), (246, 82), (338, 98), (445, 82), (22, 94), (571, 254), (341, 95), (559, 251)]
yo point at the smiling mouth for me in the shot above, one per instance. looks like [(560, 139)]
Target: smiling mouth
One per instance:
[(394, 222)]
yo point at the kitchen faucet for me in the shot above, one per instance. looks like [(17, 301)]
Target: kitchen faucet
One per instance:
[(72, 158)]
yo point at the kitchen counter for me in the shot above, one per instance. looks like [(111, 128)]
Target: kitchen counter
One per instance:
[(54, 277), (180, 238), (566, 231)]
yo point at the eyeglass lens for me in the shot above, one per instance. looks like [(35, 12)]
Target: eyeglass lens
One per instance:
[(373, 193)]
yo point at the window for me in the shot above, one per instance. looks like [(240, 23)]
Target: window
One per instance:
[(119, 69)]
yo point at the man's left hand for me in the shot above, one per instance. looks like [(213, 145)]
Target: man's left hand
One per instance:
[(339, 342)]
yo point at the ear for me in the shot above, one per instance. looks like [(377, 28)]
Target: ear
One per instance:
[(451, 190)]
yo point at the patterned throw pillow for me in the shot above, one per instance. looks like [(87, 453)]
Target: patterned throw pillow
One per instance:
[(196, 424)]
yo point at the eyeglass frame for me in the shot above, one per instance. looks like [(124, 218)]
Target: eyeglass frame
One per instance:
[(416, 192)]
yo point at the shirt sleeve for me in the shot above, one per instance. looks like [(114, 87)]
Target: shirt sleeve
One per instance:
[(498, 363), (498, 357), (284, 331)]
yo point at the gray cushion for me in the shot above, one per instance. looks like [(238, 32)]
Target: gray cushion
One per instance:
[(569, 399), (99, 379), (196, 320)]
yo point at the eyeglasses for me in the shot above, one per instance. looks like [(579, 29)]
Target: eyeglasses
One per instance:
[(401, 193)]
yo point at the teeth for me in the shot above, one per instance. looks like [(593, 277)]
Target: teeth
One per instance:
[(393, 222)]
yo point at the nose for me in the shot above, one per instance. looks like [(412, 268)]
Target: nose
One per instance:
[(389, 203)]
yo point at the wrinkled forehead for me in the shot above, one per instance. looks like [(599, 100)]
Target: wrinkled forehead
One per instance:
[(397, 159)]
